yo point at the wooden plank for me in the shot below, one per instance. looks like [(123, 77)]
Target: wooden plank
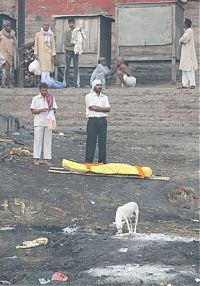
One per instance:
[(69, 172), (59, 35), (6, 140)]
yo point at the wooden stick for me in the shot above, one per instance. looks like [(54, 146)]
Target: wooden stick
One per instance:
[(64, 171)]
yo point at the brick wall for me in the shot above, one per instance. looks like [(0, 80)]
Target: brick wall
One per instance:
[(8, 7)]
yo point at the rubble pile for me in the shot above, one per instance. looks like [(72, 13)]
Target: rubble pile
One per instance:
[(30, 80)]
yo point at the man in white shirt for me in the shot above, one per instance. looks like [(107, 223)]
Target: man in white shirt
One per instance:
[(40, 107), (97, 108)]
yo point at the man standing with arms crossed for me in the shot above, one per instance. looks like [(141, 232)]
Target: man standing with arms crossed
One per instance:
[(97, 108)]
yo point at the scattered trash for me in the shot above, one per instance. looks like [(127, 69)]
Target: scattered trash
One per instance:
[(92, 202), (5, 205), (58, 276), (12, 257), (44, 281), (7, 228), (18, 202), (61, 134), (45, 191), (20, 152), (5, 282), (124, 250), (33, 243), (197, 279), (165, 284), (195, 220), (70, 230)]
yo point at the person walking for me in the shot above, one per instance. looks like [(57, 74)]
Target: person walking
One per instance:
[(8, 46), (41, 105), (70, 53), (97, 108), (188, 61), (45, 51)]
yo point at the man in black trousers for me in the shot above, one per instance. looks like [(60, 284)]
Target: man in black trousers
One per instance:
[(97, 108)]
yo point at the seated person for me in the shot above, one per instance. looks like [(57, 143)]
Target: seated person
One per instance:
[(101, 72), (124, 73)]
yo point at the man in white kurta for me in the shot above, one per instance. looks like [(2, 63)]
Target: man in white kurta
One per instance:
[(42, 135), (188, 62), (45, 51)]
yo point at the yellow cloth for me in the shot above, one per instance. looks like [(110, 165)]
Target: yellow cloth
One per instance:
[(109, 169), (44, 52)]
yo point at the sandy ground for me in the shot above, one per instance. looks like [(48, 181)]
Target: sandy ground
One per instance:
[(160, 130)]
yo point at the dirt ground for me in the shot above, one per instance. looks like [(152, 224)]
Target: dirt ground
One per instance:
[(166, 247)]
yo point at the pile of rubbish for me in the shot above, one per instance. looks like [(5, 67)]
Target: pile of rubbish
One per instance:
[(30, 80)]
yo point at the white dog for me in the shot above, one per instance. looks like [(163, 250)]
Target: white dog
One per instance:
[(124, 214)]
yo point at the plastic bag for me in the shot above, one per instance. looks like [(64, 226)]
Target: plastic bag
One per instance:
[(35, 67), (51, 121), (129, 80)]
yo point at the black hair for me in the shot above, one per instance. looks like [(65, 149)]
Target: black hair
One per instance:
[(43, 85), (188, 23), (71, 20)]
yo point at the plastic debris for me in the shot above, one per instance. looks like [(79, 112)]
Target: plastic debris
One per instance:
[(5, 282), (33, 243), (7, 228), (197, 279), (44, 281), (12, 257), (20, 152), (5, 205), (165, 284), (20, 203), (195, 220), (124, 250), (92, 202), (70, 230), (58, 276)]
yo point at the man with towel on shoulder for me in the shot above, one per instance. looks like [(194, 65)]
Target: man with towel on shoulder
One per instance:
[(45, 51), (97, 108)]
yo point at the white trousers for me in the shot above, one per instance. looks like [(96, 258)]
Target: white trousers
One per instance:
[(188, 78), (45, 76), (42, 142)]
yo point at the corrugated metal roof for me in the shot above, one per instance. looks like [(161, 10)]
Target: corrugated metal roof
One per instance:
[(84, 16)]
